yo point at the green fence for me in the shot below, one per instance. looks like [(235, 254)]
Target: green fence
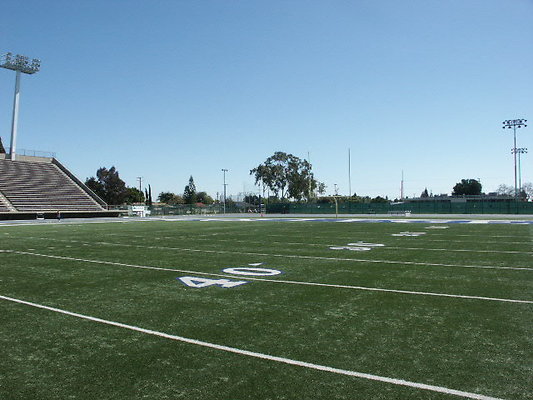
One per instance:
[(417, 207)]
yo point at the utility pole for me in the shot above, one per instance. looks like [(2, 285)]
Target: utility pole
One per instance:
[(140, 179), (349, 174), (401, 187), (224, 172)]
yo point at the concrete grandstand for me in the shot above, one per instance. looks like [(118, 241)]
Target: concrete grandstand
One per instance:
[(41, 187)]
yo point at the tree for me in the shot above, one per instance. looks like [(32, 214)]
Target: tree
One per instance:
[(148, 195), (189, 194), (165, 197), (468, 187), (505, 190), (379, 199), (134, 195), (252, 199), (321, 188), (203, 197), (286, 175), (96, 186), (425, 193), (108, 186), (527, 188), (170, 198)]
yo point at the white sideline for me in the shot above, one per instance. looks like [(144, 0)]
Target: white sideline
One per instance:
[(373, 289), (262, 356)]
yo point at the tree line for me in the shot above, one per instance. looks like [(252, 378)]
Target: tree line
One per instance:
[(113, 190), (281, 177), (190, 196)]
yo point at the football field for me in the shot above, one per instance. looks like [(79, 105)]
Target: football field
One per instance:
[(266, 309)]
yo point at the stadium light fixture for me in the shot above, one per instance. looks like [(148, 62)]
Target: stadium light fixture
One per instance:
[(514, 124), (520, 150), (19, 64), (224, 172)]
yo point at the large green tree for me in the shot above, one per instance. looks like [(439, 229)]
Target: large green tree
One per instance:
[(469, 187), (286, 175), (108, 186), (189, 194), (203, 197), (170, 198), (134, 196)]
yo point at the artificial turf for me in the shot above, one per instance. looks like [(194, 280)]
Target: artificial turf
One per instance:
[(478, 345)]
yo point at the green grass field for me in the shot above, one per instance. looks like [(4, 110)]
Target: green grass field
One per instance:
[(451, 308)]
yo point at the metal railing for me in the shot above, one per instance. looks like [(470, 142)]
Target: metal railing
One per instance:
[(35, 153)]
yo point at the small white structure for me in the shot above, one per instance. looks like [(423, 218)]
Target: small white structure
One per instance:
[(138, 211)]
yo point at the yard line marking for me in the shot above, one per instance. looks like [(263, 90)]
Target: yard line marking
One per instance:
[(362, 375), (289, 255), (372, 289), (211, 239), (427, 239)]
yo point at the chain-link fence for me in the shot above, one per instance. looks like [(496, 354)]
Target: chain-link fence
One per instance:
[(453, 206)]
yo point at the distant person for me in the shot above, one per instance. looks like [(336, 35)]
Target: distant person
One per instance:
[(58, 216)]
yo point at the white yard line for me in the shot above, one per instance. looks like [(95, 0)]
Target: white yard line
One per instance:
[(475, 238), (262, 356), (372, 289), (386, 247), (358, 260)]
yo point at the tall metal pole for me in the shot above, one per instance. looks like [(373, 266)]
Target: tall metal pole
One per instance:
[(14, 121), (19, 64), (514, 123), (349, 174), (224, 172), (309, 183), (401, 187), (514, 156), (521, 150), (140, 179)]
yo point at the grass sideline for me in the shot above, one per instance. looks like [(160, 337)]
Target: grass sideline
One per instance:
[(476, 346)]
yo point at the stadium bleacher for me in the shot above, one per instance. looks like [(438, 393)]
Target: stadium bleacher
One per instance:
[(38, 184)]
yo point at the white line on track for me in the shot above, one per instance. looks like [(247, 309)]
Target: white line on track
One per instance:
[(362, 375), (372, 289)]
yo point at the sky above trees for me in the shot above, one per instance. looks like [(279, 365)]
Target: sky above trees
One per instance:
[(170, 89)]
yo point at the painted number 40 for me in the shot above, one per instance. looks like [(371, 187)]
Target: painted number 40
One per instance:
[(196, 282)]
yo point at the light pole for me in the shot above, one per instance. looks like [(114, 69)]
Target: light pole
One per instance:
[(224, 172), (514, 123), (140, 179), (18, 63), (349, 174), (520, 150)]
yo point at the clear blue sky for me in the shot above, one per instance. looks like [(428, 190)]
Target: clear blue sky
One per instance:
[(168, 89)]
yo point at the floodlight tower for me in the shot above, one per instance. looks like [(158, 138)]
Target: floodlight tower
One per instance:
[(224, 172), (520, 150), (514, 123), (20, 64)]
